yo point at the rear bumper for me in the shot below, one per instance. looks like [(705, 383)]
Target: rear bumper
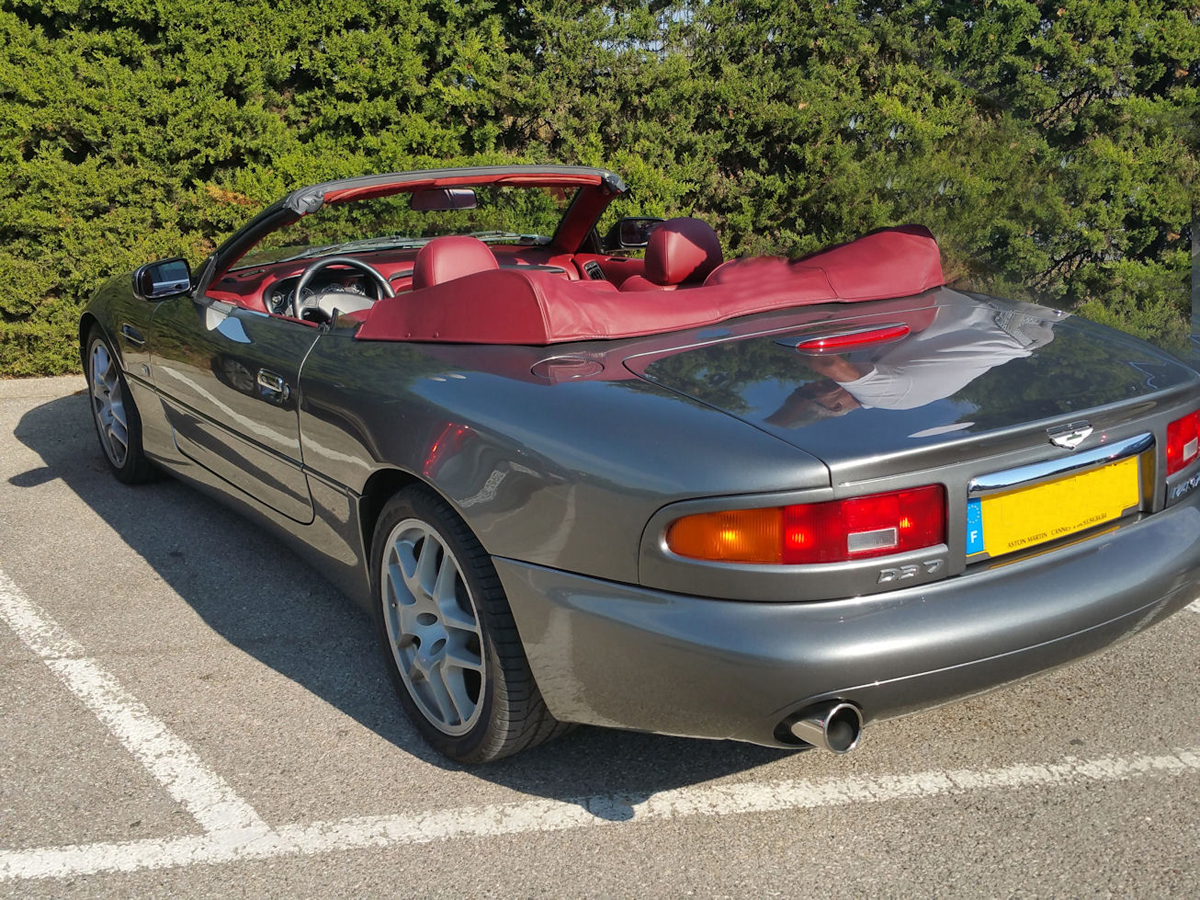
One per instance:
[(623, 656)]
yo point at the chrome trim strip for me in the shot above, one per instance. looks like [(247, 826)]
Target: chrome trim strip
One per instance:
[(999, 481)]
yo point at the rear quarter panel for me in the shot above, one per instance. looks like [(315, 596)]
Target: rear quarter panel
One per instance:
[(563, 474)]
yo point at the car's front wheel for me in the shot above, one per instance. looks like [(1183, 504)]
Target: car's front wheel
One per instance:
[(448, 635), (117, 422)]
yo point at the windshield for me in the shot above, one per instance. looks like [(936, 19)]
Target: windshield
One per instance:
[(493, 213)]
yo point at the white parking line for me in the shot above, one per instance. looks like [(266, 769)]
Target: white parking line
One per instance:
[(235, 833), (557, 815), (172, 762)]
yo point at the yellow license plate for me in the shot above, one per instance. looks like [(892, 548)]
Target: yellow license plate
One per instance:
[(1025, 517)]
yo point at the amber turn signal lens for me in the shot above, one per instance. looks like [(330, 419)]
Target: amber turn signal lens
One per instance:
[(738, 535)]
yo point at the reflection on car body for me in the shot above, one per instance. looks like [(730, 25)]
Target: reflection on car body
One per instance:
[(962, 343), (764, 500)]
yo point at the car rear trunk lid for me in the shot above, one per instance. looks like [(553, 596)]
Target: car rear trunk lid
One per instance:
[(930, 380)]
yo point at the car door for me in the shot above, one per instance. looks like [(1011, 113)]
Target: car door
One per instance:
[(229, 378)]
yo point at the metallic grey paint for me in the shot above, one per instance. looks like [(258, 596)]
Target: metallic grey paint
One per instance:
[(632, 657), (568, 463)]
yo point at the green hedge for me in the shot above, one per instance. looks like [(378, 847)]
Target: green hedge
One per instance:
[(1052, 147)]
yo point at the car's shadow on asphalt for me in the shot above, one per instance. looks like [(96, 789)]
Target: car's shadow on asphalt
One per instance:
[(257, 594)]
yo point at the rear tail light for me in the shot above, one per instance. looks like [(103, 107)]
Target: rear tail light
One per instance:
[(837, 531), (1183, 442)]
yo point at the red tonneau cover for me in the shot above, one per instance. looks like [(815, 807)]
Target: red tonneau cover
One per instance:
[(509, 306)]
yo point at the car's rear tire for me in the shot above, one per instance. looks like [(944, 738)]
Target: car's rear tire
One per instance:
[(448, 635), (114, 413)]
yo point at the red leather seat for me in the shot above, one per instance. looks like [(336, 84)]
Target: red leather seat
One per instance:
[(680, 252), (446, 258)]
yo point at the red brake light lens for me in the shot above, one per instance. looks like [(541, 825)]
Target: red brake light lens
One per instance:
[(862, 527), (852, 340), (837, 531), (1183, 442)]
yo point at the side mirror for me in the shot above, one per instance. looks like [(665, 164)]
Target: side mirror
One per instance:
[(163, 279), (631, 232), (443, 199)]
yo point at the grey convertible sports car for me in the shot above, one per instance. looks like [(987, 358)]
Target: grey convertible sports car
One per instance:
[(759, 499)]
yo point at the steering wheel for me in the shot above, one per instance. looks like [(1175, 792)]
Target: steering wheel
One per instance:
[(382, 284)]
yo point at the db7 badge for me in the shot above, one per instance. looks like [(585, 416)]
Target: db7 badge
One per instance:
[(900, 573)]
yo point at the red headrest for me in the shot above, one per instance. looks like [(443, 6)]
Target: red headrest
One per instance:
[(447, 258), (682, 250)]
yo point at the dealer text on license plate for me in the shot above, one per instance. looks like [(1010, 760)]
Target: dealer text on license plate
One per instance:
[(1024, 517)]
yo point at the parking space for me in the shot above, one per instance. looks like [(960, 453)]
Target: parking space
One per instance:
[(187, 707), (59, 765)]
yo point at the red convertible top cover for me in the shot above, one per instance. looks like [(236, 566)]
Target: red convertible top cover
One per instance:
[(510, 306)]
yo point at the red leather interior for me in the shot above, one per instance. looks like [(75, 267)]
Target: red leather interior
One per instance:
[(241, 289), (511, 306), (874, 266), (682, 250), (615, 268), (642, 283), (246, 287), (446, 258)]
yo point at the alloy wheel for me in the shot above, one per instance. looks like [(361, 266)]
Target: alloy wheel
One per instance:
[(432, 627), (108, 404)]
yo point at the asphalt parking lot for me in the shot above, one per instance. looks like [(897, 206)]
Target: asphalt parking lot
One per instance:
[(187, 708)]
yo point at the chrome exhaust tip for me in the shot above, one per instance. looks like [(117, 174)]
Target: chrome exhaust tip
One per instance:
[(835, 726)]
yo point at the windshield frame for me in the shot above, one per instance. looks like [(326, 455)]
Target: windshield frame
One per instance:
[(417, 227), (596, 189)]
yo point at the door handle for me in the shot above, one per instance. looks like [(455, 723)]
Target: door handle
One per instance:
[(132, 335), (274, 383)]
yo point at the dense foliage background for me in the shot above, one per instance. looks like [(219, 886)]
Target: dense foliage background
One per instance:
[(1052, 147)]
